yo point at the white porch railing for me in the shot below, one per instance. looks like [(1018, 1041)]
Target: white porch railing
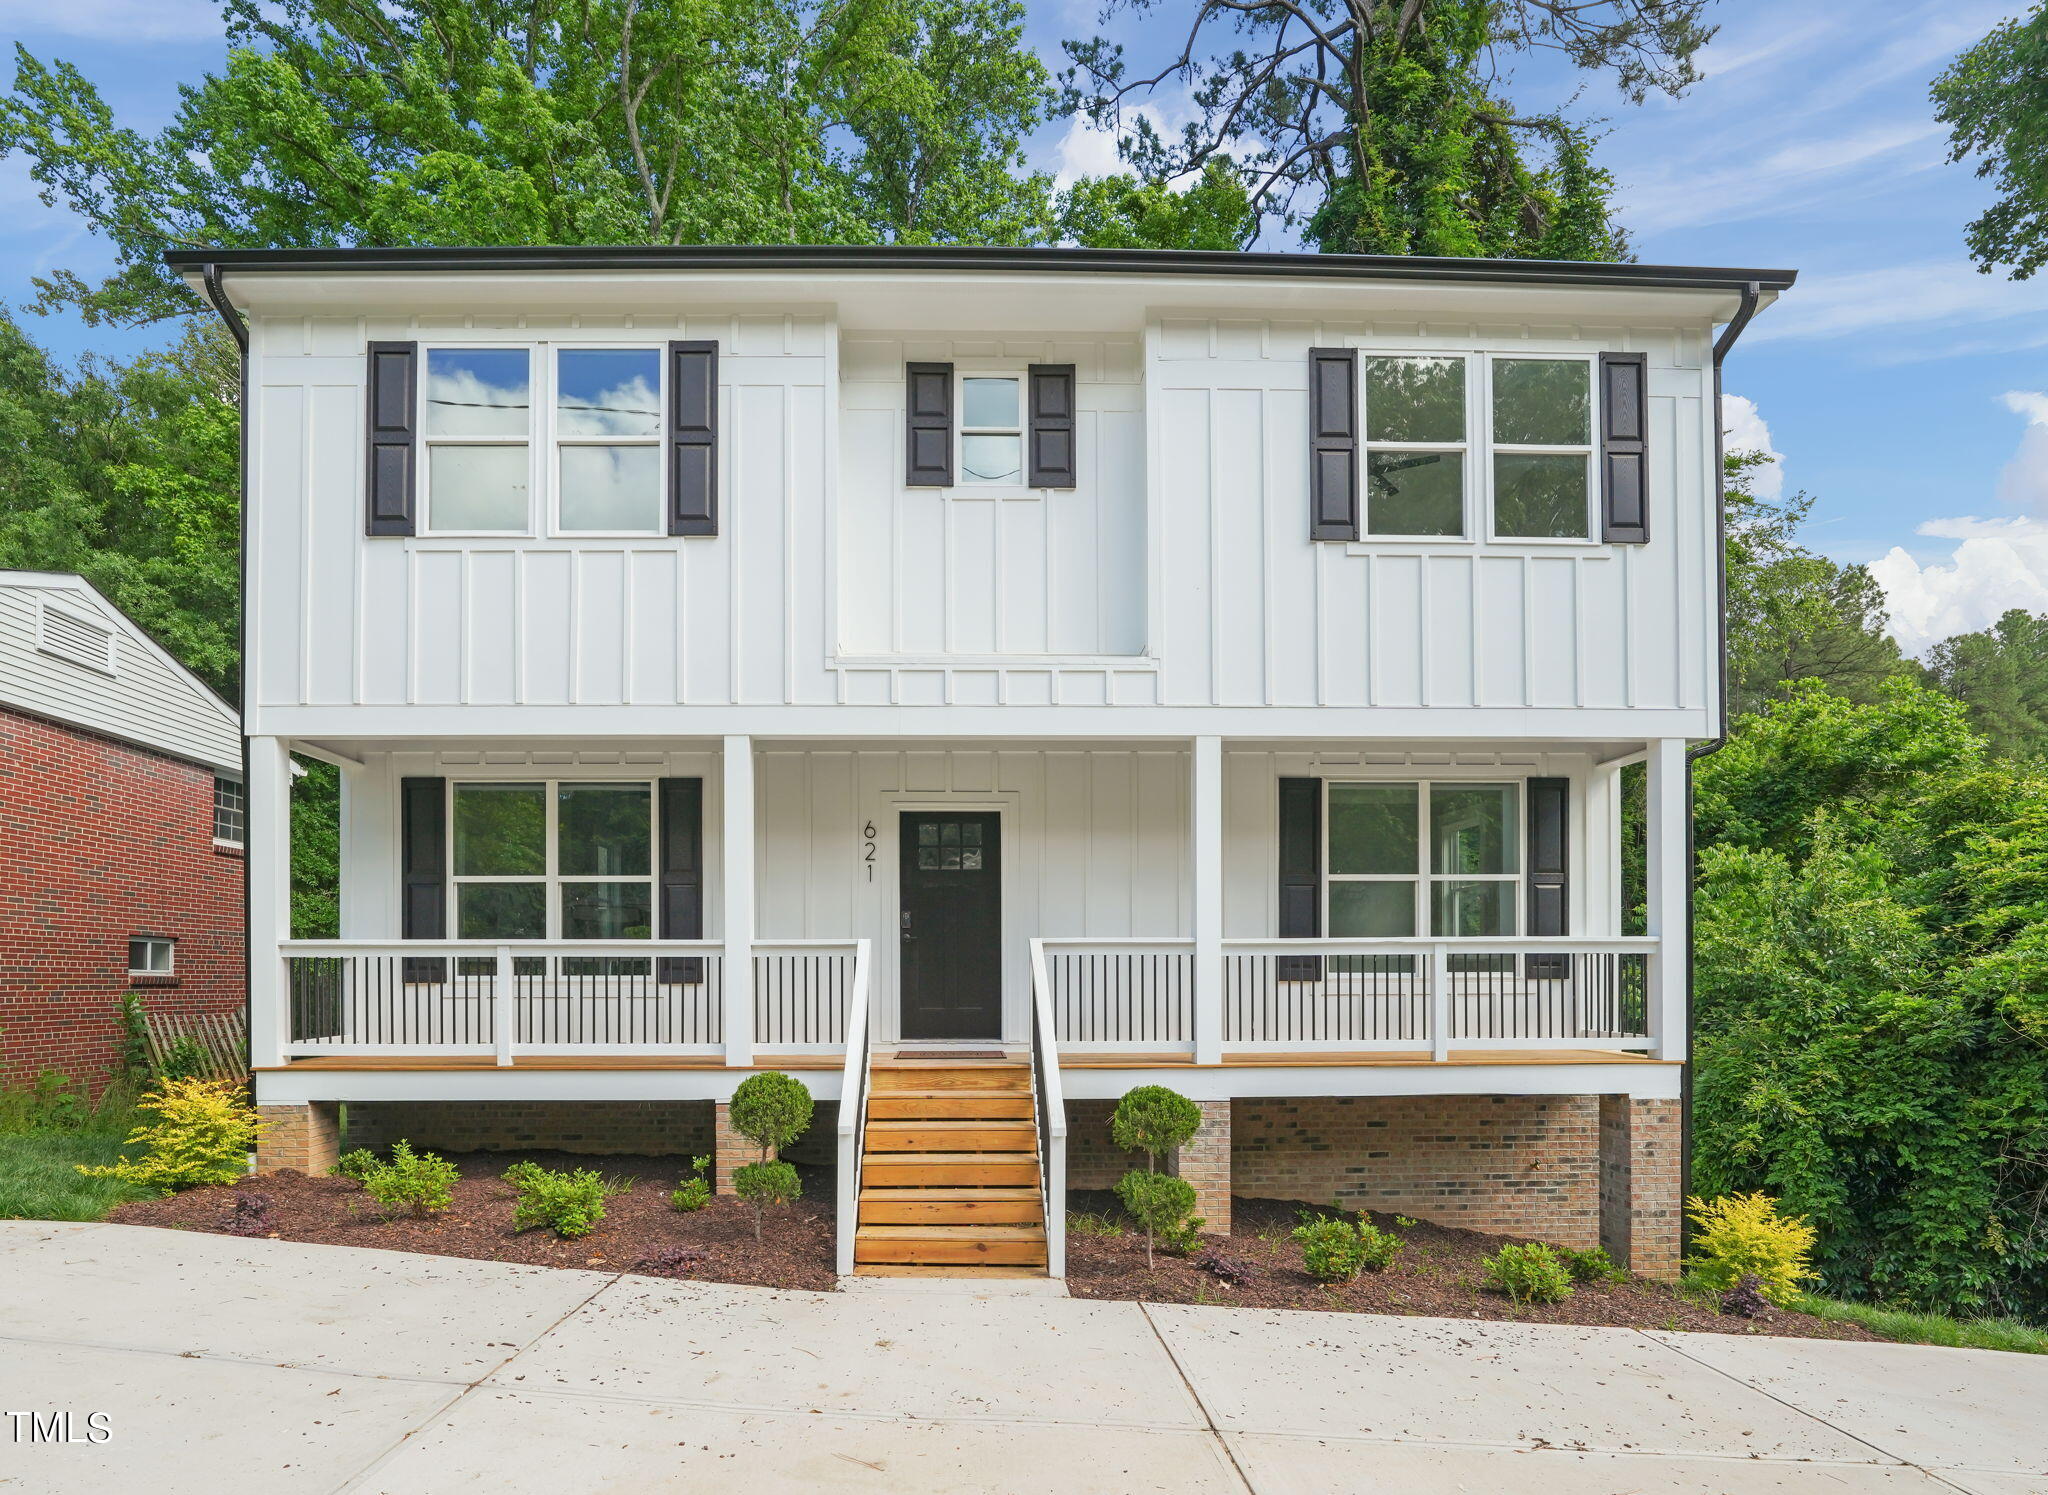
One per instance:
[(853, 1110), (804, 994), (1052, 1115), (1336, 995)]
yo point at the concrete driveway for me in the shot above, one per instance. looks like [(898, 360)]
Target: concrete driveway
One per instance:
[(230, 1365)]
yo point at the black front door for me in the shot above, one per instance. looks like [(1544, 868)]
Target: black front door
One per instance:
[(952, 924)]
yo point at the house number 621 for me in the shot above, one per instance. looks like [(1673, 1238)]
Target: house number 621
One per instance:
[(867, 848)]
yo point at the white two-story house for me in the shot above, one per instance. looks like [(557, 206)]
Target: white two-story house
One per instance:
[(1042, 672)]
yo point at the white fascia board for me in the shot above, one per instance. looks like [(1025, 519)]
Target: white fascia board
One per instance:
[(294, 1087), (1648, 1081)]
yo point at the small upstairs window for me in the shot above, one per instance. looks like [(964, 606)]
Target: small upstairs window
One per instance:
[(1415, 443), (992, 430), (1542, 448), (478, 421), (74, 636), (151, 955), (230, 811)]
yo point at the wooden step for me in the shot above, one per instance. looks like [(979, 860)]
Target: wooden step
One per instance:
[(934, 1245), (948, 1169), (950, 1207), (933, 1105), (951, 1136), (908, 1269), (992, 1077)]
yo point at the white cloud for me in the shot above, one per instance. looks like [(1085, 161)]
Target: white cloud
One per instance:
[(1940, 292), (1999, 564), (1743, 430), (2024, 482), (120, 20)]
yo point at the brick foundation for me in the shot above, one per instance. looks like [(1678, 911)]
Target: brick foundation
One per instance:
[(1205, 1163), (1640, 1211), (730, 1151), (600, 1128), (1093, 1160), (306, 1137)]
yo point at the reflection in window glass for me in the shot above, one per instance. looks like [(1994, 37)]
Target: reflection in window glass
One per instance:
[(1414, 399), (500, 830), (1542, 402), (608, 392), (607, 910), (1415, 493), (603, 830), (478, 392), (1540, 496), (992, 459), (1472, 828), (1372, 910), (1372, 828), (1471, 909), (476, 487), (988, 404), (501, 910), (611, 487)]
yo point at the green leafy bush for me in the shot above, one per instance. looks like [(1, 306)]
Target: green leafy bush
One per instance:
[(1335, 1249), (1743, 1235), (1159, 1202), (1154, 1120), (411, 1183), (357, 1163), (1376, 1248), (694, 1193), (771, 1110), (763, 1184), (1529, 1273), (569, 1202), (203, 1134), (1594, 1265), (184, 1059)]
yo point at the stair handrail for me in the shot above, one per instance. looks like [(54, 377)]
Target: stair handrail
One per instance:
[(1052, 1116), (853, 1107)]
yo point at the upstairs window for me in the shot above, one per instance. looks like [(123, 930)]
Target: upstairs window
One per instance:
[(991, 430), (1415, 445), (230, 811), (569, 861), (608, 440), (1415, 860), (478, 424), (1542, 437)]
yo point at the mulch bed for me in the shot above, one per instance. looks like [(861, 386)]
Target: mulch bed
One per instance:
[(640, 1231), (1437, 1274)]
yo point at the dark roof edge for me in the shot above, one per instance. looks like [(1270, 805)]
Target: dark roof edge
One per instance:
[(1383, 267)]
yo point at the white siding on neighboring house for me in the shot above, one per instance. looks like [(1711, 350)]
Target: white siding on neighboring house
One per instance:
[(146, 698)]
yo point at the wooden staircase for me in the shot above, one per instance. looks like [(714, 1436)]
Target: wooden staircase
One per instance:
[(949, 1171)]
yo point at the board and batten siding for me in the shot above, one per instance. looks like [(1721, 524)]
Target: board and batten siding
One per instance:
[(1250, 612), (147, 700)]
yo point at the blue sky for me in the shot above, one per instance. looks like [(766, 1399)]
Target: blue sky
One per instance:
[(1902, 388)]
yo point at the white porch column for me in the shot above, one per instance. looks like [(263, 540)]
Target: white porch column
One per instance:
[(1206, 804), (269, 854), (1668, 874), (738, 888)]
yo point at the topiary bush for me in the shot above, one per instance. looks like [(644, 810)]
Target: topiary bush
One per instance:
[(763, 1184), (412, 1183), (771, 1110), (1159, 1202), (1529, 1273), (1154, 1120), (569, 1202), (1743, 1235), (203, 1134)]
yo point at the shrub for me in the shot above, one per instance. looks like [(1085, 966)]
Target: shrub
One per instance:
[(411, 1183), (1153, 1120), (1230, 1270), (1334, 1249), (203, 1133), (571, 1203), (134, 1038), (1529, 1273), (251, 1216), (1591, 1266), (1743, 1235), (676, 1261), (357, 1163), (1376, 1248), (771, 1110), (1746, 1299), (763, 1184), (1159, 1202), (694, 1193), (184, 1060)]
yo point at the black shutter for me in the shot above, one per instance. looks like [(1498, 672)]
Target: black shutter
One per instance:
[(1301, 875), (682, 876), (1333, 443), (423, 844), (391, 455), (1549, 870), (928, 425), (693, 438), (1051, 437), (1624, 475)]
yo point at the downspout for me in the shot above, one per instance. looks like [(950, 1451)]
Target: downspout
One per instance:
[(1751, 293), (216, 296)]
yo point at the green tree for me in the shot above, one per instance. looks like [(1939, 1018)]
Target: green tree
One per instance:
[(550, 122), (1213, 211), (2001, 674), (1994, 100), (1384, 127)]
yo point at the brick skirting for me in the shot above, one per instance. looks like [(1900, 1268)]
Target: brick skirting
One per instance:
[(644, 1128), (306, 1137)]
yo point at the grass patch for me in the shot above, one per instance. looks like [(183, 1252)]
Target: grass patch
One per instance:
[(1081, 1223), (1929, 1328), (39, 1177)]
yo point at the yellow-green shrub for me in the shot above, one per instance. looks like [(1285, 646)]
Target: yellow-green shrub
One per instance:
[(1743, 1235), (203, 1134)]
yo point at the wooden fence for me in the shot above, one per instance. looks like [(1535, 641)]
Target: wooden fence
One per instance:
[(222, 1039)]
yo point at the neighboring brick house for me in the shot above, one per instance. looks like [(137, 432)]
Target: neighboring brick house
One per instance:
[(121, 839)]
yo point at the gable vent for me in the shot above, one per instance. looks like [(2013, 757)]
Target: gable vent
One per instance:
[(72, 636)]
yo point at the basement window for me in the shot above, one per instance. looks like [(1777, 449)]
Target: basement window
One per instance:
[(151, 956)]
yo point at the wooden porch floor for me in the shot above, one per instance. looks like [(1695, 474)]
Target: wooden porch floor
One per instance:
[(1376, 1059)]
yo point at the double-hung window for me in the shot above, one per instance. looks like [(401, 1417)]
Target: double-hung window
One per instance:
[(553, 860), (230, 811), (1415, 445), (991, 430), (608, 440), (1542, 443), (1420, 859), (477, 421)]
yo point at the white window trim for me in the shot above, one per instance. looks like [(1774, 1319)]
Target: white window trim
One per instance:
[(218, 839), (963, 487), (46, 607), (552, 878), (1423, 879), (536, 392), (1590, 450), (170, 956), (555, 441), (1467, 499)]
